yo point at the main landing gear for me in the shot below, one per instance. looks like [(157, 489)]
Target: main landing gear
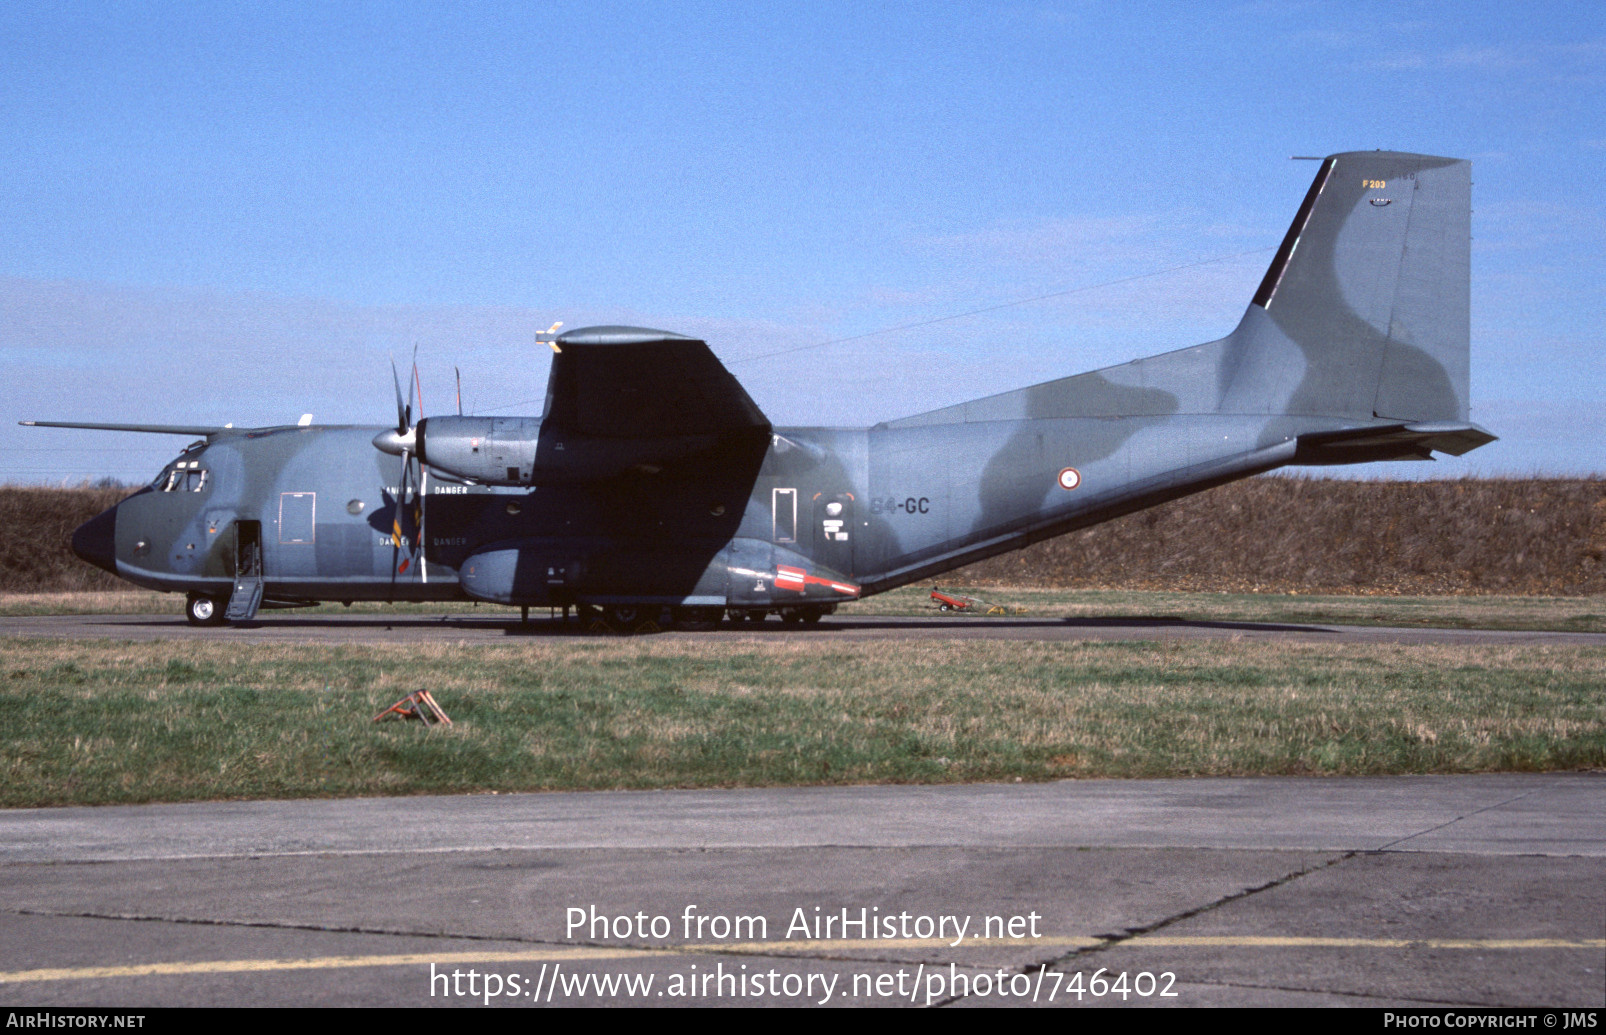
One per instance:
[(810, 615), (639, 618), (697, 619), (627, 618), (806, 614)]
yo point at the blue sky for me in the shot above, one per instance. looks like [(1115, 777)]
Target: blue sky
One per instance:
[(218, 213)]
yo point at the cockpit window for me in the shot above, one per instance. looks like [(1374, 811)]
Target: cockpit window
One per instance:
[(181, 476)]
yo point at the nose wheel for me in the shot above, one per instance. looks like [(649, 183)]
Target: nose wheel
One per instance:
[(201, 609)]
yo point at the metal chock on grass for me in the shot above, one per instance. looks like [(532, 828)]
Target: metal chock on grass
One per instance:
[(421, 705), (970, 605)]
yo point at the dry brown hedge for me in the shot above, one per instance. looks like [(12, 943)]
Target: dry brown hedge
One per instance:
[(36, 547), (1317, 535), (1313, 535)]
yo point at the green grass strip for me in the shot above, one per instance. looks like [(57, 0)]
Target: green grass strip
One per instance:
[(106, 722)]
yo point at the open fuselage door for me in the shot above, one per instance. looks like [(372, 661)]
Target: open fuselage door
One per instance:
[(247, 595)]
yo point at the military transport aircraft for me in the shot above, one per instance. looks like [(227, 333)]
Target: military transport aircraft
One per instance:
[(653, 482)]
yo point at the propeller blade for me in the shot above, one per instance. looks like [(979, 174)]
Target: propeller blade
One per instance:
[(402, 547), (402, 421), (401, 503), (459, 374), (417, 386)]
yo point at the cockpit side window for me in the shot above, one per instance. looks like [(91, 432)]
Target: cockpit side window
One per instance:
[(181, 476)]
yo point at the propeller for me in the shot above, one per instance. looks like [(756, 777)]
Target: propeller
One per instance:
[(403, 442)]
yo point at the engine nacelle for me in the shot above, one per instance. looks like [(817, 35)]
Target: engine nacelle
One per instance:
[(486, 450), (513, 451)]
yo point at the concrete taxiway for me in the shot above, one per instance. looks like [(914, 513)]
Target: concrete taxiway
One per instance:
[(494, 627), (1409, 891)]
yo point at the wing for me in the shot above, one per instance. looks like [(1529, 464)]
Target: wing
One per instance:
[(155, 429), (635, 383)]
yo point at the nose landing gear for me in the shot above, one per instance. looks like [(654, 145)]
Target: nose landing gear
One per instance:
[(201, 609)]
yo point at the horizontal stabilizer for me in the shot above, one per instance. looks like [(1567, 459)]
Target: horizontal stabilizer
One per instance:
[(1391, 442)]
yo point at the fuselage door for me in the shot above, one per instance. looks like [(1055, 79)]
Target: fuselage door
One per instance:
[(246, 596), (298, 517), (785, 511), (248, 549)]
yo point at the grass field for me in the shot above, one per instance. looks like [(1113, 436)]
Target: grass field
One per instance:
[(104, 722), (1563, 614)]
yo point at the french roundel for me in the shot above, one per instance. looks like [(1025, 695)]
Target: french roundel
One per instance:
[(1070, 478)]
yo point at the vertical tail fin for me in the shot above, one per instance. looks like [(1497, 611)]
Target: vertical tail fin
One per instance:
[(1365, 310)]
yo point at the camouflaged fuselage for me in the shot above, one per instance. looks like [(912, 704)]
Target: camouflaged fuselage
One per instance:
[(1354, 349)]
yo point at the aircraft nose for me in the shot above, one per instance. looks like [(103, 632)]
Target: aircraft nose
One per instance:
[(96, 541)]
